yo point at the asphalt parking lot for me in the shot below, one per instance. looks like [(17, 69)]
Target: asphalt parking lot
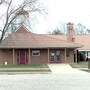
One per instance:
[(72, 81)]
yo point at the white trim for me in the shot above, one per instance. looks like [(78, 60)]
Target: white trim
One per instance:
[(23, 27)]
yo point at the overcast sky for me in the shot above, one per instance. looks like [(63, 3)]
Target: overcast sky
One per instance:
[(75, 11)]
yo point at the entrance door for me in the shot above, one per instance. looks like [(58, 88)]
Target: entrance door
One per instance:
[(22, 57), (55, 56)]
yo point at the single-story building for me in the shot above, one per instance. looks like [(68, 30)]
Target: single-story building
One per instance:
[(82, 39), (24, 47)]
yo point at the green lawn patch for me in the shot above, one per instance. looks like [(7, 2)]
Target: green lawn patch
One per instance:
[(25, 66), (83, 64), (25, 70)]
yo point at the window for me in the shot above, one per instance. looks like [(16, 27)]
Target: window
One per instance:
[(35, 53), (58, 55), (67, 52), (52, 54)]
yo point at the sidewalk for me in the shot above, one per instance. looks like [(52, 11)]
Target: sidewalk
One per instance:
[(63, 68)]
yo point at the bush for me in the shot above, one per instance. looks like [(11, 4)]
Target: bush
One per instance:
[(80, 57)]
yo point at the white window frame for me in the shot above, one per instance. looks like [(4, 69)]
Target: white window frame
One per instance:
[(35, 51)]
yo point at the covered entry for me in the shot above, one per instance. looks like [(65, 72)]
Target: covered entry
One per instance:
[(55, 56), (22, 56)]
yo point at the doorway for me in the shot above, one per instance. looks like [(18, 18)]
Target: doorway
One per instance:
[(55, 56), (22, 56)]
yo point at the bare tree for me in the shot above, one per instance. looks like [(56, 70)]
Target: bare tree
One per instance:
[(60, 29), (88, 31), (2, 1), (80, 29), (9, 17), (57, 31)]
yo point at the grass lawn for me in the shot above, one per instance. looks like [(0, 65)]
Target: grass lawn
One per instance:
[(25, 68), (83, 64)]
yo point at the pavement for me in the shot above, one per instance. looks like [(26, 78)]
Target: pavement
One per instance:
[(64, 68), (63, 77), (45, 82)]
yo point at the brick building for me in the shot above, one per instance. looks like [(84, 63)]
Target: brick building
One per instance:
[(24, 47)]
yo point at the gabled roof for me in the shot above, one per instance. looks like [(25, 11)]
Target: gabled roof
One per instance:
[(80, 39), (31, 40), (83, 39), (22, 29)]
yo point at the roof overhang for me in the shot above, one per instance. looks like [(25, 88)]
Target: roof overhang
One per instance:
[(38, 47)]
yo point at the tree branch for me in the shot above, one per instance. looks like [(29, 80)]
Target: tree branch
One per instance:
[(12, 13)]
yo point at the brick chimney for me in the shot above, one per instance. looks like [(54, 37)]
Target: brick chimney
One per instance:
[(70, 33)]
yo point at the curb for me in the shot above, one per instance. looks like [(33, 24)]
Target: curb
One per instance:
[(14, 73)]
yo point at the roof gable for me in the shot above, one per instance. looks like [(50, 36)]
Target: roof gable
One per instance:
[(22, 29)]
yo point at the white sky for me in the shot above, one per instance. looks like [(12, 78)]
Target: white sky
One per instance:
[(75, 11)]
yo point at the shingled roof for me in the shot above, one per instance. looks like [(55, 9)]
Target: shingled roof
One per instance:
[(80, 39), (31, 40)]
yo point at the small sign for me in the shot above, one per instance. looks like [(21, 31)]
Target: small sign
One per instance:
[(5, 63)]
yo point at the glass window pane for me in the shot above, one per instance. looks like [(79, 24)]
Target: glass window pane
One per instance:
[(58, 55), (35, 53), (67, 52), (52, 56)]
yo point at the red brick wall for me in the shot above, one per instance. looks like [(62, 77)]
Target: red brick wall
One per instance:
[(62, 55), (43, 58), (71, 56), (6, 55), (70, 59), (1, 57)]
